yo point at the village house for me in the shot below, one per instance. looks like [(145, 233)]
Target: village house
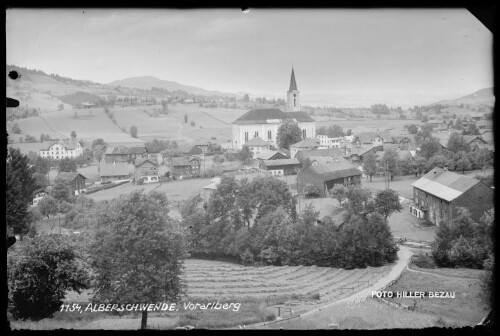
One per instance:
[(199, 149), (268, 154), (60, 149), (114, 171), (303, 155), (265, 122), (257, 145), (280, 167), (75, 180), (306, 144), (146, 170), (325, 172), (183, 166), (357, 154), (374, 138), (125, 154), (208, 190), (405, 141), (439, 193), (327, 142)]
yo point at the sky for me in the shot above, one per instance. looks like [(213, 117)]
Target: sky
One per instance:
[(433, 52)]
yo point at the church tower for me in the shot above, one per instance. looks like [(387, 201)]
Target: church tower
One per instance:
[(293, 97)]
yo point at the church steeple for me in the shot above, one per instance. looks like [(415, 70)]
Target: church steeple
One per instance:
[(293, 84), (293, 99)]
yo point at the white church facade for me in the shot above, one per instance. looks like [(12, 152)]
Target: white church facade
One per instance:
[(264, 123)]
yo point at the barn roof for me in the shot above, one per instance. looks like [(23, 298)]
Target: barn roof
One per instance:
[(444, 184), (329, 152), (266, 154), (140, 161), (113, 169), (307, 143), (67, 176), (281, 162)]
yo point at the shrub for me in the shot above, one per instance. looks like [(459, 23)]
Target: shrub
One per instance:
[(140, 181), (424, 261), (247, 258), (311, 191)]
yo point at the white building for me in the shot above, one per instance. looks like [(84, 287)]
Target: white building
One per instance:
[(264, 123), (327, 142), (60, 149), (257, 146)]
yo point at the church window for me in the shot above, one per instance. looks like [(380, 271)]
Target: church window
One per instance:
[(304, 133), (294, 102), (269, 135), (256, 134), (246, 136)]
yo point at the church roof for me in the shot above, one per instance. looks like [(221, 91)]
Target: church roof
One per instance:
[(271, 116), (293, 83)]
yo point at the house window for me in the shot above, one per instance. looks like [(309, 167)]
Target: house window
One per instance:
[(256, 134), (269, 135), (304, 133), (246, 136)]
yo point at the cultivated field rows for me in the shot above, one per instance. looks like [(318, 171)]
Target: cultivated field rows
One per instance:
[(236, 280)]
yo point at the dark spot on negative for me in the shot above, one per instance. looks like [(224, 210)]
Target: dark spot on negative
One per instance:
[(13, 75)]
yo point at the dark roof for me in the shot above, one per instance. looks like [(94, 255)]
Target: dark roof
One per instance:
[(470, 138), (69, 144), (180, 161), (66, 176), (366, 137), (261, 116), (122, 150), (330, 152), (307, 143), (281, 162), (328, 171), (444, 184), (267, 154), (256, 142), (364, 149), (293, 83), (140, 161), (113, 169)]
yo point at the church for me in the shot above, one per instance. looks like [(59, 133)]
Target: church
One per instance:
[(264, 123)]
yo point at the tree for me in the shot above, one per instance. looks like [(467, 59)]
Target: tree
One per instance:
[(412, 129), (16, 129), (311, 191), (97, 142), (164, 105), (457, 143), (21, 187), (288, 134), (429, 148), (463, 164), (390, 161), (438, 160), (67, 165), (246, 98), (40, 271), (137, 252), (60, 107), (98, 152), (370, 164), (185, 118), (387, 202), (73, 134), (358, 198), (62, 191), (48, 206), (339, 192), (133, 131), (245, 155)]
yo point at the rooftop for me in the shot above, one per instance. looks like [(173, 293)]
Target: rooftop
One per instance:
[(270, 116), (256, 142), (307, 143), (113, 169), (444, 184), (69, 144), (330, 152), (67, 176), (281, 162)]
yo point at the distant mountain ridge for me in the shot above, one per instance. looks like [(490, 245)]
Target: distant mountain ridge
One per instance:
[(148, 82), (484, 96)]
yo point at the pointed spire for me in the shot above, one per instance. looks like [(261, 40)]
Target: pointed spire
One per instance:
[(293, 84)]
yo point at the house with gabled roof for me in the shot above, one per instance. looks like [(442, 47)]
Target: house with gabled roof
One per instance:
[(184, 166), (60, 149), (356, 154), (280, 167), (75, 180), (325, 172), (256, 145), (268, 154), (374, 138), (146, 170), (306, 144), (264, 123), (125, 154), (439, 193), (114, 171)]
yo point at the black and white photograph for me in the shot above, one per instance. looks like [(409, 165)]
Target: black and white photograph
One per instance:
[(249, 169)]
